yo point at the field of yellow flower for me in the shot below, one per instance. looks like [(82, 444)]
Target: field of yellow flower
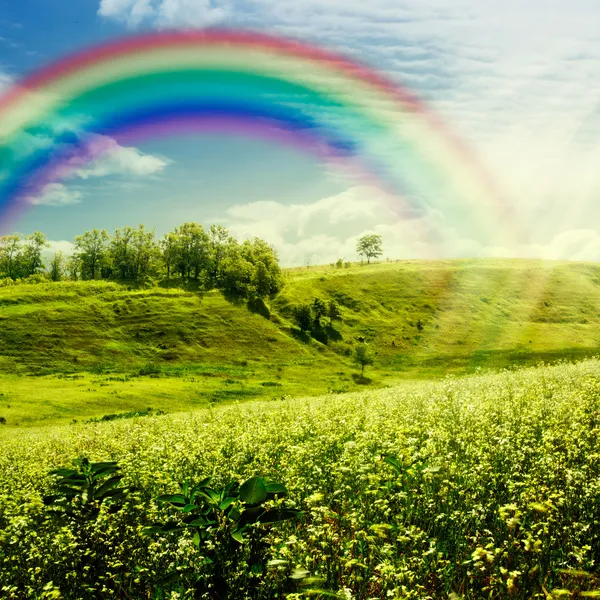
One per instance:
[(480, 487)]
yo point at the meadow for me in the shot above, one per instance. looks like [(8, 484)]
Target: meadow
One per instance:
[(484, 486), (81, 350), (464, 466)]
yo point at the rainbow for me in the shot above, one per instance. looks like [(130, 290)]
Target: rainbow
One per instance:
[(236, 83)]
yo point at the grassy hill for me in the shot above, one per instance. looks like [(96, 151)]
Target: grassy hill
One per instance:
[(170, 347)]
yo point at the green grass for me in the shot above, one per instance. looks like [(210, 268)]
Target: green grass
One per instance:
[(495, 495), (197, 348)]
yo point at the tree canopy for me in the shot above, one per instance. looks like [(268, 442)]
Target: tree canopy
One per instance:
[(369, 245), (188, 254)]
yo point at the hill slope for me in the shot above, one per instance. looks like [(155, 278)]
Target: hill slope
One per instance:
[(107, 350), (435, 315)]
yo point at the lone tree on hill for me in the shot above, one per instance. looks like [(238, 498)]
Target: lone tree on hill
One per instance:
[(369, 245), (363, 357)]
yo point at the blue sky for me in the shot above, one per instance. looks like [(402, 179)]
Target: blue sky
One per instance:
[(519, 84)]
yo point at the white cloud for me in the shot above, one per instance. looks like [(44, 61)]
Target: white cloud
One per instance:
[(130, 11), (115, 159), (164, 13), (323, 231), (103, 157), (55, 246), (56, 194)]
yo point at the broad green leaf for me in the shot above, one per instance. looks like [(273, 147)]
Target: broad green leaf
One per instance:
[(251, 515), (177, 500), (102, 465), (115, 495), (108, 485), (276, 488), (394, 462), (105, 471), (226, 503), (196, 522), (48, 500), (77, 480), (214, 497), (152, 529), (238, 535), (63, 472), (276, 516), (162, 528), (200, 486), (234, 514), (230, 490), (67, 491), (204, 497), (253, 491)]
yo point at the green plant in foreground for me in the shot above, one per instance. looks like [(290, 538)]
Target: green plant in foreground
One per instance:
[(77, 501), (81, 492), (227, 519)]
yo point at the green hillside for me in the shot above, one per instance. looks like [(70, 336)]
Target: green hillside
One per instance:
[(472, 312), (421, 318)]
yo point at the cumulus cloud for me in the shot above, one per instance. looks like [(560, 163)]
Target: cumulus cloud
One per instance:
[(165, 13), (328, 229), (120, 160), (55, 246), (130, 11), (56, 194), (321, 232), (103, 157)]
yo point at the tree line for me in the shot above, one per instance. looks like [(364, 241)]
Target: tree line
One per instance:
[(210, 258)]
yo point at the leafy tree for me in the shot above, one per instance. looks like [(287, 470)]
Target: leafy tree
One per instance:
[(363, 357), (120, 253), (190, 247), (91, 248), (250, 270), (333, 312), (236, 273), (304, 316), (369, 245), (32, 261), (319, 309), (267, 279), (73, 267), (11, 255), (218, 241), (146, 252), (168, 250), (57, 267)]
